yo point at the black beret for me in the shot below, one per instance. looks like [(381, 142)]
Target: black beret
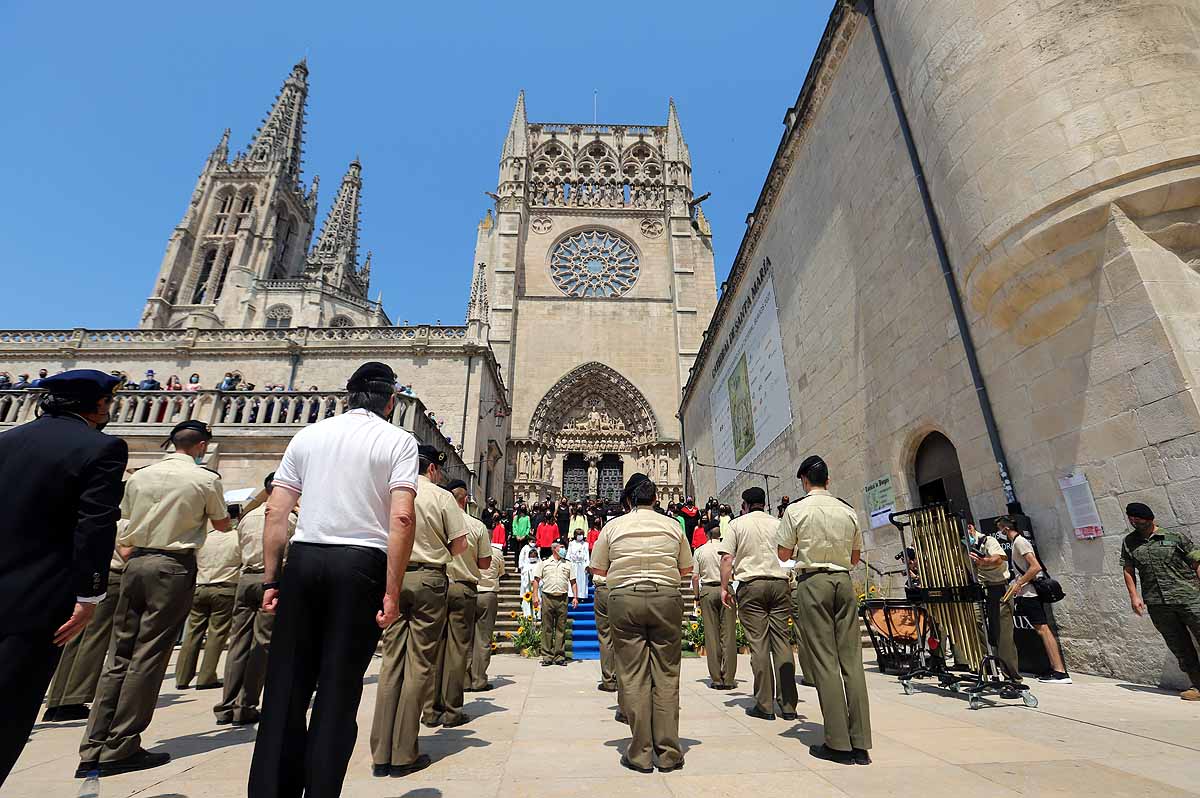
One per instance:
[(1139, 510), (85, 384), (754, 496), (431, 454), (811, 462), (372, 372), (194, 425), (455, 484)]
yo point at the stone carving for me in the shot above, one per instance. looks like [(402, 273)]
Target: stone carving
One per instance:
[(652, 228), (594, 385), (541, 224), (548, 467), (523, 465), (594, 263)]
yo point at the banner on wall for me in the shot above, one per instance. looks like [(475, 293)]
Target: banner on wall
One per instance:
[(750, 402), (881, 501)]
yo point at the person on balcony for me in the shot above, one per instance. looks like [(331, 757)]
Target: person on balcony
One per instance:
[(149, 383), (193, 383)]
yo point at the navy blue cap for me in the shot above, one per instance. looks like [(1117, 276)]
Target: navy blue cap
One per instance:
[(191, 424), (369, 375), (85, 384), (431, 454)]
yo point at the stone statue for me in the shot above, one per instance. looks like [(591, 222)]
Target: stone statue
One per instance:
[(523, 465), (537, 466), (548, 467), (593, 476), (663, 465)]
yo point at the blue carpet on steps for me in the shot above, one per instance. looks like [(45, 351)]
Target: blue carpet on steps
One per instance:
[(584, 643)]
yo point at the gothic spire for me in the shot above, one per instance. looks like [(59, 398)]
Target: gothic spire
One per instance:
[(220, 153), (677, 149), (280, 138), (477, 304), (336, 254), (516, 142)]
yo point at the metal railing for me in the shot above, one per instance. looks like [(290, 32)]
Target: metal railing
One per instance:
[(241, 413)]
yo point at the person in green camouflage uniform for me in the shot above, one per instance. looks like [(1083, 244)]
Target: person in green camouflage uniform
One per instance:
[(1167, 564)]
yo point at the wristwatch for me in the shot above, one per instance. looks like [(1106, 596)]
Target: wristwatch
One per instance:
[(270, 585)]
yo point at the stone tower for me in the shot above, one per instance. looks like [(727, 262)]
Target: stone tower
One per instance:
[(239, 256), (600, 277)]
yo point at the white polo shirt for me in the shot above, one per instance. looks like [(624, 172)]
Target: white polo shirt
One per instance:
[(345, 468)]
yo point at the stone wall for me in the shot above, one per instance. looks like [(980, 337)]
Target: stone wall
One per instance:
[(1060, 144)]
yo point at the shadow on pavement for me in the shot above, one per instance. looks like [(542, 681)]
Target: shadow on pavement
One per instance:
[(203, 742)]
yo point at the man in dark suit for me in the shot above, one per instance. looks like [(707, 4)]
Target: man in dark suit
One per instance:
[(58, 524)]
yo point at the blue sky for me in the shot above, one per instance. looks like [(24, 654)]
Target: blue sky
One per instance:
[(111, 108)]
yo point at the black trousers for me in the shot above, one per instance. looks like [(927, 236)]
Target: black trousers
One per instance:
[(27, 663), (325, 633)]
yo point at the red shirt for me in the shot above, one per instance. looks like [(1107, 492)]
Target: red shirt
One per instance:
[(699, 536), (593, 535), (547, 533), (498, 535)]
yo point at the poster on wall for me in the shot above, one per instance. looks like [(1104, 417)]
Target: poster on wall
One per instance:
[(881, 501), (1081, 506), (750, 400)]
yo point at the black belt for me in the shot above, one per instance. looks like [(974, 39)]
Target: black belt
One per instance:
[(806, 571), (254, 570), (555, 596), (188, 555), (711, 584), (425, 566), (750, 579)]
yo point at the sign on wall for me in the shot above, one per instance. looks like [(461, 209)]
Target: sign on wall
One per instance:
[(750, 400), (1081, 506), (881, 501)]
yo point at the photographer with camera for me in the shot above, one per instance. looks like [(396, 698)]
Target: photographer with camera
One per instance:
[(991, 568), (1025, 566)]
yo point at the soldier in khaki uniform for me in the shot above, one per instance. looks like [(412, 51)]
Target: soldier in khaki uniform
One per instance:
[(553, 579), (410, 644), (250, 633), (821, 532), (443, 705), (170, 505), (218, 564), (644, 555), (720, 621), (608, 670), (78, 673), (486, 602), (748, 555)]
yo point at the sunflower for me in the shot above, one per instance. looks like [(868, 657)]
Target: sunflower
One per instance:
[(520, 630), (527, 596), (513, 614), (695, 626), (789, 621), (508, 635), (495, 647)]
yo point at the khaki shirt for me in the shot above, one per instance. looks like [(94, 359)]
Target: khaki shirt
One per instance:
[(642, 546), (751, 543), (465, 567), (219, 560), (117, 563), (554, 576), (489, 580), (996, 574), (821, 530), (169, 504), (250, 537), (598, 580), (439, 521), (708, 562)]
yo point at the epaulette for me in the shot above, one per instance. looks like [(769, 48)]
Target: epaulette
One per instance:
[(795, 501), (843, 501), (215, 471)]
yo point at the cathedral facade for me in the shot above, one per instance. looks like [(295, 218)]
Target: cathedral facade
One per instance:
[(593, 280), (600, 271)]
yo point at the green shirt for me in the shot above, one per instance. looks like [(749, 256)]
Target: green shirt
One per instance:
[(1165, 565), (521, 527)]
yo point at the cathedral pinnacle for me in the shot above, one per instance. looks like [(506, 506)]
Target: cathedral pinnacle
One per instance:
[(676, 149), (478, 305), (335, 257), (516, 142), (279, 141), (220, 153)]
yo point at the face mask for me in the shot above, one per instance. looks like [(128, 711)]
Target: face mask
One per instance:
[(199, 460)]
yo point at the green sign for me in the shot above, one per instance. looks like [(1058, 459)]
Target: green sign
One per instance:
[(881, 501)]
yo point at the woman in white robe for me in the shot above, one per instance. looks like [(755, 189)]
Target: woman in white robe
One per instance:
[(578, 555), (529, 560)]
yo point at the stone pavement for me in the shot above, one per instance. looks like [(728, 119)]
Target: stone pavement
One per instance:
[(548, 732)]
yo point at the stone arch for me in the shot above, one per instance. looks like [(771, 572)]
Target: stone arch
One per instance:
[(579, 389)]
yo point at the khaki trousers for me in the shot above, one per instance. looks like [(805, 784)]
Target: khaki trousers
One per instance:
[(246, 662), (647, 636), (720, 636), (765, 607), (803, 656), (444, 703), (829, 612), (1000, 628), (407, 675), (554, 628), (208, 620), (156, 594), (82, 660), (481, 650), (608, 670)]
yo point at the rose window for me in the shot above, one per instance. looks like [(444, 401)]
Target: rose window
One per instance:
[(594, 263)]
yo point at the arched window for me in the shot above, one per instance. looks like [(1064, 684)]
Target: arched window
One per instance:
[(279, 316), (223, 274), (247, 203), (341, 321), (939, 476), (201, 291)]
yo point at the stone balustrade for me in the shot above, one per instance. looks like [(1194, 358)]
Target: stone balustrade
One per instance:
[(238, 413)]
